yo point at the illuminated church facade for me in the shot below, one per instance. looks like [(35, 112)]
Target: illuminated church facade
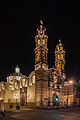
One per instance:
[(44, 86)]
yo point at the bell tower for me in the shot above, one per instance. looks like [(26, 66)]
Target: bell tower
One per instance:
[(59, 57), (41, 49)]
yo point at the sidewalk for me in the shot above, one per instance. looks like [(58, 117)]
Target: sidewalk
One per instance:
[(71, 109), (17, 110), (22, 108)]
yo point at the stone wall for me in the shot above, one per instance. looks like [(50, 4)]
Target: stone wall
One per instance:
[(31, 94), (41, 87), (11, 96)]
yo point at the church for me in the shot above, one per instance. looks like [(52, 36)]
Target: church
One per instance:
[(44, 86)]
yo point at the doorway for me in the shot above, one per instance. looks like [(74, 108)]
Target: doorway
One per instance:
[(55, 100)]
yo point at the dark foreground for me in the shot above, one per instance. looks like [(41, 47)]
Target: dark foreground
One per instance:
[(41, 115)]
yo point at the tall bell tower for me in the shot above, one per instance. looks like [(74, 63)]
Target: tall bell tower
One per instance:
[(59, 57), (41, 49)]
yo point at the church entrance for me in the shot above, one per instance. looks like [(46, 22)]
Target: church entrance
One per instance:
[(22, 100), (23, 96), (55, 100)]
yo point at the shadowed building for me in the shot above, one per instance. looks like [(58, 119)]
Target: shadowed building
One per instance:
[(72, 92)]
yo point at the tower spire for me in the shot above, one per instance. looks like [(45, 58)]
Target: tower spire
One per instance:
[(59, 57), (41, 49)]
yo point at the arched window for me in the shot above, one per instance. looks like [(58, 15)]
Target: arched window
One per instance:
[(33, 79), (58, 48), (43, 31), (58, 56), (43, 42), (38, 42), (62, 48), (62, 66), (58, 66), (62, 56)]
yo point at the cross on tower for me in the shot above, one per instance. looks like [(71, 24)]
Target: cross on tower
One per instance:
[(41, 22)]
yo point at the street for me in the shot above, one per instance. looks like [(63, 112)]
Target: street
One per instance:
[(41, 115)]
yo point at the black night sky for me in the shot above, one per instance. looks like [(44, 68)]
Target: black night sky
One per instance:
[(18, 24)]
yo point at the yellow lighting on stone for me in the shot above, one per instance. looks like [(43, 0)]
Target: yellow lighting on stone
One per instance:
[(38, 42), (62, 48), (58, 56), (30, 84), (43, 42), (43, 52), (58, 48), (43, 31), (23, 82), (38, 55), (16, 96), (33, 78), (62, 56), (0, 98), (16, 86), (62, 66), (58, 66)]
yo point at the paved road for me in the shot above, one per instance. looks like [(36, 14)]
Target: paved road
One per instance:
[(42, 115)]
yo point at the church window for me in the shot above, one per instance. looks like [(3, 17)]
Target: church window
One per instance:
[(30, 81), (58, 48), (38, 42), (26, 83), (38, 54), (33, 79), (43, 31), (16, 86), (11, 87), (62, 66), (62, 48), (44, 54), (3, 86), (58, 56), (43, 42), (58, 66), (55, 86), (23, 82), (62, 56), (55, 79)]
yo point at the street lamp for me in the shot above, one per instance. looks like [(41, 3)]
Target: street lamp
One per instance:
[(57, 99), (70, 82)]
